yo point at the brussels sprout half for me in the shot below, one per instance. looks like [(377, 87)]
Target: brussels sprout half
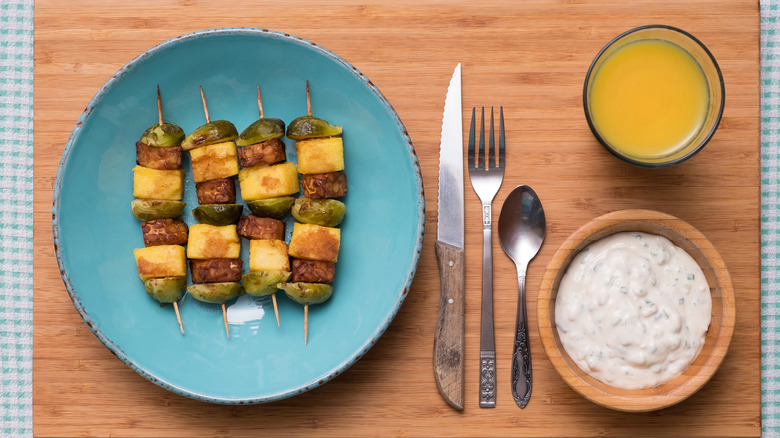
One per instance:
[(217, 131), (307, 293), (324, 212), (215, 292), (166, 289), (163, 136), (271, 207), (149, 209), (263, 283), (218, 214), (311, 127), (260, 131)]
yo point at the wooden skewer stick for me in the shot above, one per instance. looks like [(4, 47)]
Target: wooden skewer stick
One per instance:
[(224, 317), (259, 101), (306, 306), (276, 309), (208, 120), (205, 108), (308, 99), (260, 109), (178, 316), (159, 106), (160, 119)]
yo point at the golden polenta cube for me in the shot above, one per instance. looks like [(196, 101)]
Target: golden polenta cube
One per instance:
[(213, 242), (320, 155), (161, 261), (268, 255), (214, 161), (315, 242), (263, 182), (164, 185)]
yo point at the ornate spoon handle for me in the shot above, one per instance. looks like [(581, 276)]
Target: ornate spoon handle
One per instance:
[(521, 354)]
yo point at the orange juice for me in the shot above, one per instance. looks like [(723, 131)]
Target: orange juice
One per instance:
[(648, 99)]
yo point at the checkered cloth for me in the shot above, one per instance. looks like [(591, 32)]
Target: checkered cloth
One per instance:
[(770, 216), (16, 218)]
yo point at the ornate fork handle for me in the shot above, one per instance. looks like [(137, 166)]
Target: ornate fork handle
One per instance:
[(487, 345)]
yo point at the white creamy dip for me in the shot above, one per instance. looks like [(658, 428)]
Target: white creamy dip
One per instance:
[(633, 310)]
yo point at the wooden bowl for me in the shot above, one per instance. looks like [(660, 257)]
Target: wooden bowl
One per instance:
[(718, 336)]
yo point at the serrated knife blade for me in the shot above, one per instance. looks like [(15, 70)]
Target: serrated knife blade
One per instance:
[(449, 339)]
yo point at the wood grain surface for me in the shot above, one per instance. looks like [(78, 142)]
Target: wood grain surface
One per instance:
[(528, 56)]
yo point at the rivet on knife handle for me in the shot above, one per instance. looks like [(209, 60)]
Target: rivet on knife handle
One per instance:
[(449, 340)]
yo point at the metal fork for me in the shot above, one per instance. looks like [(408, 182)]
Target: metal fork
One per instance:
[(486, 173)]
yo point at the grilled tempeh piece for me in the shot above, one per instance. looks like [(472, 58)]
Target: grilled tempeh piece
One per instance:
[(216, 191), (324, 185), (153, 157), (313, 271), (254, 227), (215, 270), (267, 152), (164, 232)]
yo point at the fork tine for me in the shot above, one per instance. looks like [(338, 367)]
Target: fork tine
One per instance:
[(491, 161), (471, 139), (482, 138), (501, 140)]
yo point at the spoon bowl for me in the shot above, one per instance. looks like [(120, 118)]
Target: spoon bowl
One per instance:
[(521, 230), (521, 225)]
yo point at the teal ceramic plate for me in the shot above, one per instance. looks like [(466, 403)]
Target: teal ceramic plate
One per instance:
[(95, 233)]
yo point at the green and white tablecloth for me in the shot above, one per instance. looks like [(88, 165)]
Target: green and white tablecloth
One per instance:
[(16, 216), (770, 216)]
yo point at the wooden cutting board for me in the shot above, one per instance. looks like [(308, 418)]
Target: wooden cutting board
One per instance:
[(530, 57)]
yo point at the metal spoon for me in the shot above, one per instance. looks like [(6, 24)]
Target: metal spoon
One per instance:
[(521, 227)]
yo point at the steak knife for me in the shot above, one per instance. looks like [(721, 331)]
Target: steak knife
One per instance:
[(449, 340)]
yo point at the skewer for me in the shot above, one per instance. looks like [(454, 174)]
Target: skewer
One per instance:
[(259, 101), (305, 324), (273, 295), (205, 107), (276, 309), (308, 99), (306, 307), (208, 120), (224, 317), (159, 106), (160, 119), (178, 316)]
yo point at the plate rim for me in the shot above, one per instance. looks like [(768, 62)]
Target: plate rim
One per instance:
[(114, 347)]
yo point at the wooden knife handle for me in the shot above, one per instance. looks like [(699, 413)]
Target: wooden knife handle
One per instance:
[(449, 340)]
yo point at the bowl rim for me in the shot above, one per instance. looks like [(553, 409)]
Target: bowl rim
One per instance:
[(717, 341), (692, 152)]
